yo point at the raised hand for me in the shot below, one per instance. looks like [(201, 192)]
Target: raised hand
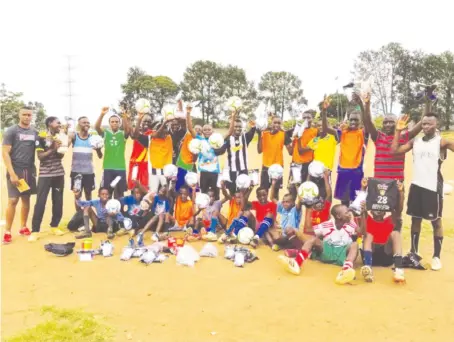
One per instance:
[(364, 183), (402, 122), (326, 102), (104, 110)]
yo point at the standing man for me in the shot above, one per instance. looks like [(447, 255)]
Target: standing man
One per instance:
[(237, 158), (18, 152), (51, 176), (82, 163), (271, 143), (114, 163), (139, 155), (425, 198)]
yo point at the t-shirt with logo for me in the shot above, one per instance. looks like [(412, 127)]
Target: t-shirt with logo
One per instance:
[(52, 165), (114, 150), (133, 205), (336, 237), (382, 194), (160, 206), (319, 216), (324, 149), (208, 161), (23, 142), (308, 156)]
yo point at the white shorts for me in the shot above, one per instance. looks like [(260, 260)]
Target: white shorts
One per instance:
[(155, 181)]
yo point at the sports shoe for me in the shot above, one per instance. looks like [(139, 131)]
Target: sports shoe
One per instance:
[(7, 239), (345, 276), (33, 237), (223, 238), (291, 253), (83, 235), (255, 241), (110, 233), (155, 237), (275, 247), (398, 275), (290, 264), (436, 264), (121, 232), (367, 273), (25, 231), (58, 231), (210, 237), (140, 239)]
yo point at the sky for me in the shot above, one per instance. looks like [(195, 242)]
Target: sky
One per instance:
[(316, 40)]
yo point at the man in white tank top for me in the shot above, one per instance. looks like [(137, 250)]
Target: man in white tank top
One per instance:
[(425, 199)]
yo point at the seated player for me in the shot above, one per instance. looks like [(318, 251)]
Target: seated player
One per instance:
[(382, 245), (101, 220), (320, 210), (333, 244), (184, 209), (288, 221), (159, 207), (212, 217)]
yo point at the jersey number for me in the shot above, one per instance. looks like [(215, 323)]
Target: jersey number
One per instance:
[(382, 199)]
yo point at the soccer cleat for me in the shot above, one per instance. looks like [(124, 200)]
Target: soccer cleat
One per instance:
[(210, 237), (290, 264), (140, 240), (398, 275), (291, 253), (121, 232), (110, 233), (155, 237), (58, 231), (34, 236), (83, 235), (7, 239), (436, 264), (254, 242), (223, 238), (345, 276), (275, 247), (25, 231), (367, 273)]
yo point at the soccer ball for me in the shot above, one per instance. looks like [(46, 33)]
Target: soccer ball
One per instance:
[(245, 235), (308, 191), (170, 171), (143, 106), (113, 206), (447, 189), (127, 223), (216, 140), (195, 146), (275, 171), (243, 181), (261, 123), (96, 141), (168, 113), (191, 178), (316, 169), (202, 200), (233, 103), (144, 205), (205, 148)]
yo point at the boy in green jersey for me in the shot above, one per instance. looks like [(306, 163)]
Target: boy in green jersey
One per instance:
[(114, 164)]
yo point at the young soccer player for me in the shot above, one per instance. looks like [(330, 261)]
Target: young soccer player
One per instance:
[(212, 217), (332, 243), (101, 220), (184, 208), (382, 245), (320, 211)]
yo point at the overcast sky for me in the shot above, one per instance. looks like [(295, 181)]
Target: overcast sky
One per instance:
[(316, 40)]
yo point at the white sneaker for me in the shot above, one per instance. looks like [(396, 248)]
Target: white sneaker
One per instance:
[(33, 237), (399, 276), (289, 264), (155, 237), (436, 264), (367, 273)]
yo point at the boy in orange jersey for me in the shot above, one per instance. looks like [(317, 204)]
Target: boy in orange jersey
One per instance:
[(271, 142), (184, 213)]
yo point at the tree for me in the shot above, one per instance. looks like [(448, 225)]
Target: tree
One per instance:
[(131, 89), (39, 114), (445, 89), (281, 89), (338, 106), (383, 66), (163, 89), (202, 82), (10, 104)]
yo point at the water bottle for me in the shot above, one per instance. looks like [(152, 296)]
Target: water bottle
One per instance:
[(78, 183), (135, 171), (114, 183)]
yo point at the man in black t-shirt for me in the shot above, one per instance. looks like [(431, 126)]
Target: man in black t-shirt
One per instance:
[(18, 151)]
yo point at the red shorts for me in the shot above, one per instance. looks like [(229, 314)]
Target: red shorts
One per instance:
[(142, 174), (206, 223)]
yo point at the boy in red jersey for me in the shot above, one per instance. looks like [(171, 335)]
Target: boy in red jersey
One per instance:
[(265, 213), (382, 244)]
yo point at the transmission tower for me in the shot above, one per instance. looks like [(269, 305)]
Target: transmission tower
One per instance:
[(70, 82)]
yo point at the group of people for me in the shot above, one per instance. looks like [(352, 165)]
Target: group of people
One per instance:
[(157, 202)]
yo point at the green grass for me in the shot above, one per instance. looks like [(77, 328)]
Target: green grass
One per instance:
[(66, 325)]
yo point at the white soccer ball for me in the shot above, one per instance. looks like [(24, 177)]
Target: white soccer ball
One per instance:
[(447, 189), (127, 223), (113, 206), (144, 205), (202, 200), (316, 169), (275, 171), (96, 141), (191, 178), (168, 112), (243, 181), (216, 140), (233, 103), (170, 171), (205, 147), (195, 146), (143, 106), (308, 191), (245, 235), (261, 123)]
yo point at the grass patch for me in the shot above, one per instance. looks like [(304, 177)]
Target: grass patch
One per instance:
[(66, 325)]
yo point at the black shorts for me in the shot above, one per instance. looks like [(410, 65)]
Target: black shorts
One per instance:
[(424, 203), (379, 256), (265, 179), (139, 222), (209, 180), (88, 181), (29, 175), (110, 175), (231, 186)]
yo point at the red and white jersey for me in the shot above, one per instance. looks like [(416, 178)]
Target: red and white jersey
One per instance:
[(337, 237)]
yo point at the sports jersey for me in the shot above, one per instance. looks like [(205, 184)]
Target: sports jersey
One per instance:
[(160, 206), (288, 218), (234, 209), (319, 216), (382, 194), (324, 149), (379, 230), (185, 157), (114, 150), (208, 161), (82, 156), (352, 149), (272, 146), (183, 211), (210, 209), (308, 156), (262, 209), (336, 237), (386, 164)]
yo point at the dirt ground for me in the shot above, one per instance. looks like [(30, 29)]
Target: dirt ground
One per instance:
[(214, 301)]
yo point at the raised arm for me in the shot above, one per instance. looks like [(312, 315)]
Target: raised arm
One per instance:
[(98, 123), (136, 131), (250, 134), (400, 126), (325, 125), (159, 131), (232, 123), (366, 116), (308, 220), (259, 142), (273, 192), (189, 125), (126, 124), (225, 193)]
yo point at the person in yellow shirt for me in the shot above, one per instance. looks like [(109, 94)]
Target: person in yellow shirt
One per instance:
[(271, 143)]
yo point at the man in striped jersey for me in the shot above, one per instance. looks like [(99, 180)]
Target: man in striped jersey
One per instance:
[(333, 243), (236, 146)]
